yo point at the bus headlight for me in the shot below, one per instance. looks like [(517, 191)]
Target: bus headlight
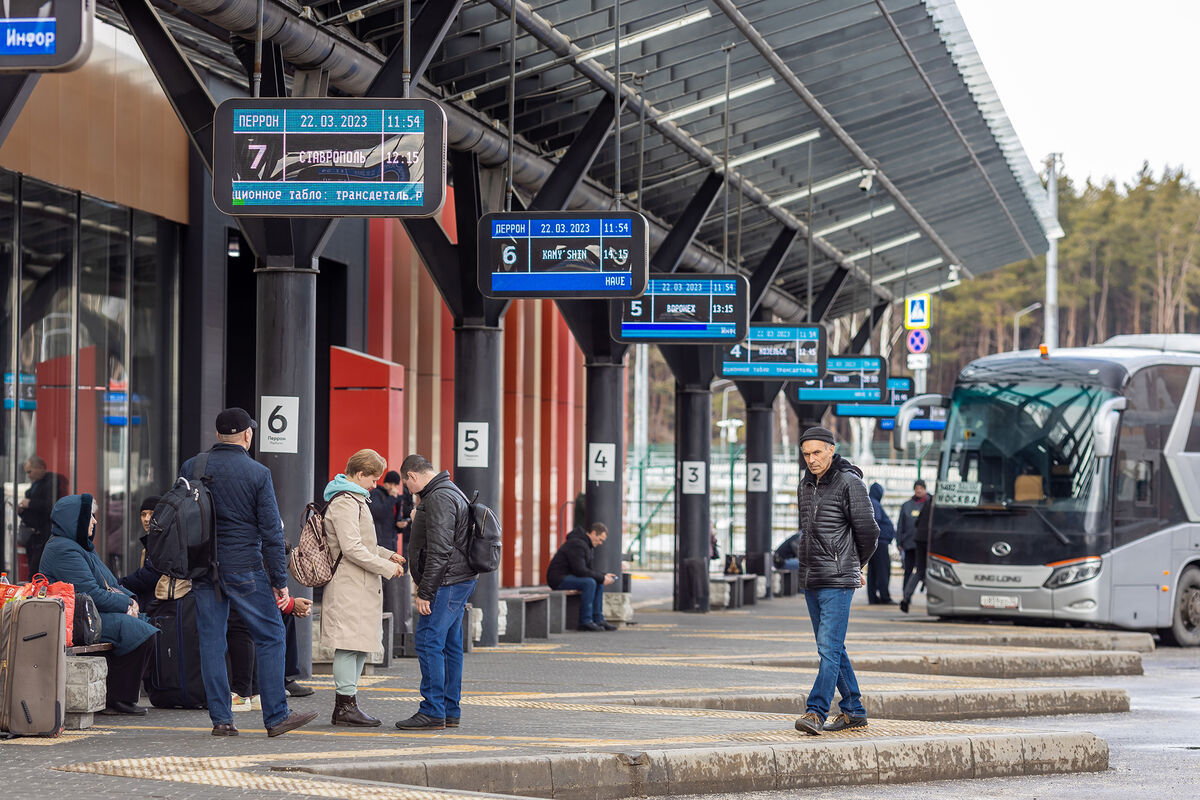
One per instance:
[(1074, 571), (942, 571)]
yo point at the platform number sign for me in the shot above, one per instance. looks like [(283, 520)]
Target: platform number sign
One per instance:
[(756, 476), (602, 461), (280, 424), (693, 476), (472, 445)]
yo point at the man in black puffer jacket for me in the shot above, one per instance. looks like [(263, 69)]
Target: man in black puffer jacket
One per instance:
[(437, 558), (840, 534), (571, 568)]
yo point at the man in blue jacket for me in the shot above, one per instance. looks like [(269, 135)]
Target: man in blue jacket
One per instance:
[(71, 557), (249, 537), (879, 569)]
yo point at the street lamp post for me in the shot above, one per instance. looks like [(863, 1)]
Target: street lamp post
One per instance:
[(1016, 323)]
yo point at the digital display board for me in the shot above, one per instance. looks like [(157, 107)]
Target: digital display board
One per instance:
[(775, 352), (562, 254), (899, 390), (329, 157), (685, 309), (847, 379), (45, 35)]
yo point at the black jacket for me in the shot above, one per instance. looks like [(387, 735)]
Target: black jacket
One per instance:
[(906, 527), (789, 549), (383, 514), (439, 537), (249, 530), (839, 527), (42, 495), (573, 558)]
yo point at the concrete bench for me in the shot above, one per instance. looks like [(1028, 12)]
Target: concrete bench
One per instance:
[(86, 687), (528, 616), (732, 591), (563, 604), (789, 582)]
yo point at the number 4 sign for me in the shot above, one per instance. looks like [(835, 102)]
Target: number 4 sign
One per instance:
[(602, 461)]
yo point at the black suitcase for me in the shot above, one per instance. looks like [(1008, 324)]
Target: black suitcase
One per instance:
[(175, 679), (33, 667)]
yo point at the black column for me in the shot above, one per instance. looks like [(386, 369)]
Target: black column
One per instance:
[(477, 359), (760, 460), (605, 412), (693, 516), (285, 364)]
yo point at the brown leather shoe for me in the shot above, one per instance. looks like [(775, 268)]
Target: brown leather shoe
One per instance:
[(224, 729), (346, 712), (294, 720)]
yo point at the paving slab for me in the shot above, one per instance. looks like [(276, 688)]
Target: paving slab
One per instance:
[(645, 710)]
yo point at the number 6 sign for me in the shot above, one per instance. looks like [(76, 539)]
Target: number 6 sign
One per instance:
[(279, 424)]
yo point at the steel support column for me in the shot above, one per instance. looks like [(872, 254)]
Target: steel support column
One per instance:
[(428, 30), (829, 292), (604, 394), (14, 92), (693, 517), (863, 334)]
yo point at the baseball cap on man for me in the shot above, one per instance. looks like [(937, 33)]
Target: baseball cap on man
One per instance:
[(818, 434), (234, 420)]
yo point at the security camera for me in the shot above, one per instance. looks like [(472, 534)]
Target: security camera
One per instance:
[(868, 180)]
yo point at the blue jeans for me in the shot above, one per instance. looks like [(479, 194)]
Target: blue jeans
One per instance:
[(439, 643), (591, 598), (250, 594), (829, 610), (791, 564)]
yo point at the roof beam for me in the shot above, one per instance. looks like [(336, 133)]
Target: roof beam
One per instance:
[(557, 190), (670, 252), (428, 30), (764, 275), (729, 8)]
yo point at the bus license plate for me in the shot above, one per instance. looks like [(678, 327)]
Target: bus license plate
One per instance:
[(999, 601)]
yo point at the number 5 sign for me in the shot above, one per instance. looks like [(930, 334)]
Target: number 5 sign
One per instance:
[(472, 444), (279, 424)]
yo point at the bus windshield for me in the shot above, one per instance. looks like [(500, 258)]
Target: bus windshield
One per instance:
[(1015, 444)]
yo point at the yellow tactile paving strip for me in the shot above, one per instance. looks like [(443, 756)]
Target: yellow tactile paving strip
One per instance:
[(66, 737)]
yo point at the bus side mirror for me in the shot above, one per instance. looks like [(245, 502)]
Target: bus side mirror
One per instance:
[(1106, 425), (908, 411)]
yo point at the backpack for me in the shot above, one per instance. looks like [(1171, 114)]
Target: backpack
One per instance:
[(181, 542), (311, 560), (484, 537)]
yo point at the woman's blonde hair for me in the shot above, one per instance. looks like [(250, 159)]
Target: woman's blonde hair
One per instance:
[(368, 462)]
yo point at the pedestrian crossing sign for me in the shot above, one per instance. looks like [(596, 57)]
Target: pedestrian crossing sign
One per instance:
[(916, 311)]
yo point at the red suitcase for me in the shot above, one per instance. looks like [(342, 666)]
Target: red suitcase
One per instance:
[(33, 667)]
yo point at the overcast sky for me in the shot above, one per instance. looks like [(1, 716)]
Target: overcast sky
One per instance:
[(1108, 84)]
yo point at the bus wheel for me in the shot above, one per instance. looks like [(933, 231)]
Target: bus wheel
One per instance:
[(1185, 623)]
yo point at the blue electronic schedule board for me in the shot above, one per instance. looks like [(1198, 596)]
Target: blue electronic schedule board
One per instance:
[(45, 35), (847, 379), (329, 157), (563, 254), (687, 308), (775, 352), (899, 390)]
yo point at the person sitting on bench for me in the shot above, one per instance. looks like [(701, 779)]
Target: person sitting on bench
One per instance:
[(571, 568)]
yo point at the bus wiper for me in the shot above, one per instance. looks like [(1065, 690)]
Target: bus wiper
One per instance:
[(1062, 537)]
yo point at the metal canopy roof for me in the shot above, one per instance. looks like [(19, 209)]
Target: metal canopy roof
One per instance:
[(855, 58)]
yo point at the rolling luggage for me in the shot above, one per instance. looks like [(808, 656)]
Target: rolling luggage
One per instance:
[(33, 666), (175, 680)]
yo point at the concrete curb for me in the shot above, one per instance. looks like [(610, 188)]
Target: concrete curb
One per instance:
[(1075, 640), (935, 705), (709, 770), (995, 665)]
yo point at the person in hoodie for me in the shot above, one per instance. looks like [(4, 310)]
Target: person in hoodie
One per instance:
[(879, 570), (445, 580), (839, 536), (352, 606), (571, 568), (71, 557)]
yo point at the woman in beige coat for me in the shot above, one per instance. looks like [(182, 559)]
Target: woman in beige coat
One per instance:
[(352, 606)]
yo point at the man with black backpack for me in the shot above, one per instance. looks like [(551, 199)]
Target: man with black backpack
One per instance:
[(249, 574), (445, 579)]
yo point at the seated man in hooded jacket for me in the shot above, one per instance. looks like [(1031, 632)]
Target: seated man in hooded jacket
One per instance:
[(70, 557), (571, 568)]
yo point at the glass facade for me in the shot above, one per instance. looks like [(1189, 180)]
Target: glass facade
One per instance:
[(89, 362)]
